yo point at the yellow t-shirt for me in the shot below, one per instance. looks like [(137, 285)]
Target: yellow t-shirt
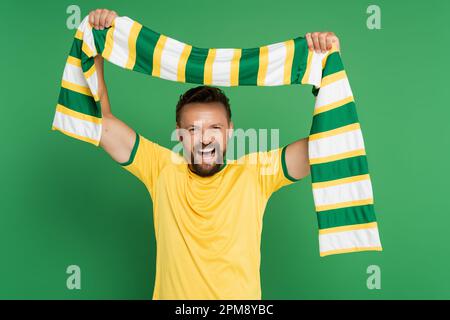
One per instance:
[(208, 229)]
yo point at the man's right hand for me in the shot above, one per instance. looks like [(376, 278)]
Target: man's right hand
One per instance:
[(117, 137), (102, 18)]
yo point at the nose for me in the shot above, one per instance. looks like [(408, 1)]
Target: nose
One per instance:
[(207, 137)]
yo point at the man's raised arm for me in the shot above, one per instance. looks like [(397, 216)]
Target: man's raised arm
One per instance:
[(117, 138), (297, 160)]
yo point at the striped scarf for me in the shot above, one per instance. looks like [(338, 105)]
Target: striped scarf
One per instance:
[(341, 183)]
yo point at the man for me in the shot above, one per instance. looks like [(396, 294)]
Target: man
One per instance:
[(207, 211)]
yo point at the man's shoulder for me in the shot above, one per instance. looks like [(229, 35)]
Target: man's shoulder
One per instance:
[(154, 149)]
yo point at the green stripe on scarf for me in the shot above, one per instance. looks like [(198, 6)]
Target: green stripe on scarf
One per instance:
[(145, 46), (339, 169), (248, 67), (333, 65), (75, 50), (195, 66), (346, 216), (334, 118), (300, 60), (79, 102)]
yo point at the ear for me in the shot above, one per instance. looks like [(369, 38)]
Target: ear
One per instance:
[(179, 136)]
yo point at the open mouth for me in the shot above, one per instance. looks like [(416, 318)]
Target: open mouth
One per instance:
[(207, 154)]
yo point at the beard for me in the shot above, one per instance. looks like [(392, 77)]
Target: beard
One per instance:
[(208, 163)]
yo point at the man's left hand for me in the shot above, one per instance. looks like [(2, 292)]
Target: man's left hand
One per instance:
[(322, 41)]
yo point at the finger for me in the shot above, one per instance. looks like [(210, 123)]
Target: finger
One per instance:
[(323, 42), (309, 41), (91, 18), (315, 39), (110, 18), (97, 15), (103, 19), (329, 40)]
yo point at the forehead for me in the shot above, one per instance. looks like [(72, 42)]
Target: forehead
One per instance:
[(206, 113)]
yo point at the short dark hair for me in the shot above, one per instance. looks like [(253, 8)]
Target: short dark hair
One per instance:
[(203, 94)]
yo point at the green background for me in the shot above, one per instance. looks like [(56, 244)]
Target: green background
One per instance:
[(66, 202)]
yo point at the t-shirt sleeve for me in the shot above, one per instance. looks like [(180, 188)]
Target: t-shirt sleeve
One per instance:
[(146, 161), (272, 170)]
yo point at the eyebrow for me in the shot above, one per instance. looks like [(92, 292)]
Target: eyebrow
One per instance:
[(212, 125)]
